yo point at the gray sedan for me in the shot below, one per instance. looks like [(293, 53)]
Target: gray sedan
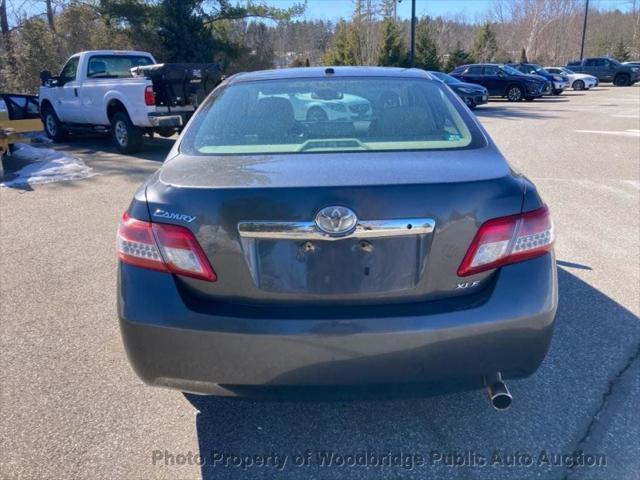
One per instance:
[(397, 247)]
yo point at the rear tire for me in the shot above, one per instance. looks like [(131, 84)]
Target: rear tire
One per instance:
[(578, 85), (126, 136), (165, 132), (53, 127), (529, 99), (557, 92), (515, 93), (622, 80)]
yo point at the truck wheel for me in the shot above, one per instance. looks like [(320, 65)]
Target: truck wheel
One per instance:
[(166, 132), (622, 80), (578, 85), (127, 137), (52, 125), (515, 94)]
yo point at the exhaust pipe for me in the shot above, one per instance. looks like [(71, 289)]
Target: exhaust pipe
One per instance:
[(497, 391)]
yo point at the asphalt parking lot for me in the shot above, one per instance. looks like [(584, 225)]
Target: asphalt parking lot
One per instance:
[(72, 407)]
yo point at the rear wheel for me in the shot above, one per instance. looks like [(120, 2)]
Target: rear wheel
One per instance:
[(529, 99), (557, 92), (622, 80), (166, 132), (515, 94), (578, 85), (52, 125), (127, 137)]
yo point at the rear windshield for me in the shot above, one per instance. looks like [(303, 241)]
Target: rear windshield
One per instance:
[(115, 66), (330, 115)]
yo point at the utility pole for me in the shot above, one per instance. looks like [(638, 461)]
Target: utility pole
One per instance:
[(584, 28), (412, 59), (412, 51)]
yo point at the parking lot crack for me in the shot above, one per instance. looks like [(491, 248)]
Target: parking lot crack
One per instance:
[(595, 419)]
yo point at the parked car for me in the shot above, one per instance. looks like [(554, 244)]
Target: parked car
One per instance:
[(559, 82), (322, 106), (471, 93), (635, 63), (402, 248), (503, 81), (125, 92), (578, 81), (607, 69)]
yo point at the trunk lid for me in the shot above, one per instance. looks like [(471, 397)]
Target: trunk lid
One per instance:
[(434, 202)]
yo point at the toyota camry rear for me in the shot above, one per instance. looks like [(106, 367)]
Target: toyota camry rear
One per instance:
[(275, 250)]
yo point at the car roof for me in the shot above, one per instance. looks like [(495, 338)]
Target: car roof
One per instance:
[(113, 52), (332, 72)]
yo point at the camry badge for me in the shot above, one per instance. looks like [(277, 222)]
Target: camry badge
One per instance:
[(336, 220)]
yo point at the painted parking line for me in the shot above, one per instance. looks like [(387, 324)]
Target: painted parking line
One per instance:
[(622, 133)]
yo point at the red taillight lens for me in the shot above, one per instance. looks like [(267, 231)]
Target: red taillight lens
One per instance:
[(149, 96), (158, 246), (508, 240)]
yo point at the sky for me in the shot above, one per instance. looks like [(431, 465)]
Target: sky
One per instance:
[(473, 10)]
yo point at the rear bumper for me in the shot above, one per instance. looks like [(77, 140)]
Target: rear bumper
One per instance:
[(170, 345), (167, 121)]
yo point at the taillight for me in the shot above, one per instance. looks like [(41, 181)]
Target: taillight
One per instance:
[(162, 247), (149, 96), (507, 240)]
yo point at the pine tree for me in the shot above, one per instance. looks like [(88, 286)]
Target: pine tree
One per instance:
[(458, 57), (485, 45), (426, 49), (523, 56), (390, 49), (345, 46), (621, 52)]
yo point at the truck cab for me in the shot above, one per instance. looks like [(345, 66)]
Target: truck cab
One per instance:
[(112, 90)]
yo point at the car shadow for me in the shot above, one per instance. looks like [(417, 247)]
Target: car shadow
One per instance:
[(343, 438), (153, 149), (510, 112)]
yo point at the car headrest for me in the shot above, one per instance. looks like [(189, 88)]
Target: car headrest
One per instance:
[(274, 116)]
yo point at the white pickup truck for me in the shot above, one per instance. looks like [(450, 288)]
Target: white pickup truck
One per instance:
[(125, 92)]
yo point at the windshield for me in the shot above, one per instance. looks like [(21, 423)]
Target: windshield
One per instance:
[(445, 78), (510, 70), (539, 69), (566, 70), (329, 115), (115, 66)]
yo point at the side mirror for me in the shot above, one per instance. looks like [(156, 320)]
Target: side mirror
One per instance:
[(45, 76)]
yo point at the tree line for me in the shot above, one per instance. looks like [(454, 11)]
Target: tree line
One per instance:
[(254, 34)]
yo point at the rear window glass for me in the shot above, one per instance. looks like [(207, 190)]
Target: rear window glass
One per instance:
[(330, 115), (115, 66)]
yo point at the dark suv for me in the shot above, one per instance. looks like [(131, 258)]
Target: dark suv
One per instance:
[(558, 82), (503, 81)]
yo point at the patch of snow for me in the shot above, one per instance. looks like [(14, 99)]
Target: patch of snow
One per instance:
[(47, 166), (37, 137)]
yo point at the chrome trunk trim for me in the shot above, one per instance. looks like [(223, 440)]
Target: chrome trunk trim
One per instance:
[(309, 230)]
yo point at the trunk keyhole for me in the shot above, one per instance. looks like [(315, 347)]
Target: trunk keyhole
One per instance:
[(365, 246)]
